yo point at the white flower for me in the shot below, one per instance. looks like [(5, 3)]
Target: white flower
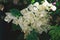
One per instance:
[(36, 4), (35, 8), (42, 7), (49, 6), (15, 21), (53, 8), (7, 19), (45, 3), (35, 18)]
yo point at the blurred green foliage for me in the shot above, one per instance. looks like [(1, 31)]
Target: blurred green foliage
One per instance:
[(51, 1), (32, 1), (15, 13), (57, 3), (55, 33), (15, 27), (32, 36)]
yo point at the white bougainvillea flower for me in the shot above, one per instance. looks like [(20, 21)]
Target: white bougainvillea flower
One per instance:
[(8, 17), (15, 21), (53, 8), (35, 8), (45, 3), (49, 6), (36, 4)]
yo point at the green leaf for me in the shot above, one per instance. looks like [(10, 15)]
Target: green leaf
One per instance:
[(15, 27), (57, 4), (51, 1), (55, 33), (32, 36), (32, 1), (15, 12)]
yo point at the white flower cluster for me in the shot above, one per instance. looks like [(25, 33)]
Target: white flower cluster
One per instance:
[(34, 16), (10, 17), (49, 6)]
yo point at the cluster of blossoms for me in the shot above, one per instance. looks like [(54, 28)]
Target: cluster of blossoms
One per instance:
[(34, 16)]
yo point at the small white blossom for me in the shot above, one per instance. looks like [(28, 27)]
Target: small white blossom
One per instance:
[(45, 3), (35, 8), (49, 6), (53, 8), (36, 4), (15, 21), (7, 19)]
